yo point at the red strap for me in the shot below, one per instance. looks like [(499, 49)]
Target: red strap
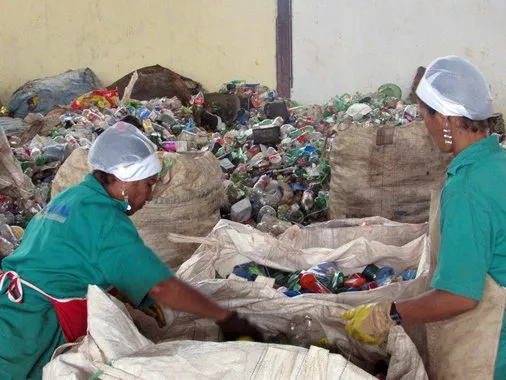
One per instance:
[(14, 289), (72, 313), (73, 318)]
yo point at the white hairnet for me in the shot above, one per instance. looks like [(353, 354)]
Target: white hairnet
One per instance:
[(453, 86), (122, 150)]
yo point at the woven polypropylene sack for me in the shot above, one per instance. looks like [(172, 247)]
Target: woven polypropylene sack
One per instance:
[(231, 244), (115, 349), (186, 201), (13, 182), (386, 171), (337, 232), (73, 171)]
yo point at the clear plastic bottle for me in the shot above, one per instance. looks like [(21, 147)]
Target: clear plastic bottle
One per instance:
[(266, 191), (85, 143), (266, 210), (274, 157), (72, 141), (273, 194), (56, 152), (6, 247), (42, 193), (286, 129), (307, 200), (6, 233), (296, 216), (273, 225), (35, 152), (300, 332)]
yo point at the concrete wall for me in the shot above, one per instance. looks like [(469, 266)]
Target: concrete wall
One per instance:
[(348, 45), (209, 41)]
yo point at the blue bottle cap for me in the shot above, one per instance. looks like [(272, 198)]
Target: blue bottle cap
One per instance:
[(292, 293)]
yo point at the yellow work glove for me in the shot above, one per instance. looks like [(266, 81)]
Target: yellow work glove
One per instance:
[(369, 323), (155, 311)]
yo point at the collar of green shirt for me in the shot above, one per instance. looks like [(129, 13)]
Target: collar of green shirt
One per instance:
[(91, 182), (473, 153)]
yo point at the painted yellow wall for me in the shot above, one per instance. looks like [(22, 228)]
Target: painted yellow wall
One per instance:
[(211, 41)]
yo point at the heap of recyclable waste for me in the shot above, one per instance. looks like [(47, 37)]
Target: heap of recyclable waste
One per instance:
[(272, 151), (323, 278)]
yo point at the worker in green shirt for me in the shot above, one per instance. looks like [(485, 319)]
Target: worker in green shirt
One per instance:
[(84, 236), (456, 105)]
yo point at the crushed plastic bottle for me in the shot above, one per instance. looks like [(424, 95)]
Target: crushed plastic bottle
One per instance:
[(310, 282), (42, 194), (273, 225), (384, 276), (296, 216), (307, 200), (266, 210), (408, 274), (266, 192)]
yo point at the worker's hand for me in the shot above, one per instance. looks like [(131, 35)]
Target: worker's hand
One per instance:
[(235, 327), (155, 311), (369, 323)]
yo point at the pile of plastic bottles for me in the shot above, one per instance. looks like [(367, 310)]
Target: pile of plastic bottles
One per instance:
[(383, 107), (163, 120), (277, 169), (324, 278), (273, 153), (14, 216)]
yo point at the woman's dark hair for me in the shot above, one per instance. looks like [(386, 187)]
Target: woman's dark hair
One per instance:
[(104, 178), (430, 110), (473, 125)]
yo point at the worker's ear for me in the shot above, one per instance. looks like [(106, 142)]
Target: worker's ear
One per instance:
[(117, 186), (115, 180)]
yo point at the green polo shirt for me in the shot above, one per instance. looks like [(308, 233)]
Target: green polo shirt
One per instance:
[(82, 237), (473, 227)]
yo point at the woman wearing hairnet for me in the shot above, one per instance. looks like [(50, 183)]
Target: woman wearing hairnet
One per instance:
[(84, 236), (456, 105)]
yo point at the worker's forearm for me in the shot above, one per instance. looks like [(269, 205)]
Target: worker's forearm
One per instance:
[(177, 295), (432, 306)]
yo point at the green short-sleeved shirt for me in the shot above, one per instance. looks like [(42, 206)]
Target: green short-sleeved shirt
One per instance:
[(82, 237), (473, 227)]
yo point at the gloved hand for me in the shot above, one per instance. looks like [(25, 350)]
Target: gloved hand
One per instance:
[(235, 327), (369, 323), (155, 311)]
